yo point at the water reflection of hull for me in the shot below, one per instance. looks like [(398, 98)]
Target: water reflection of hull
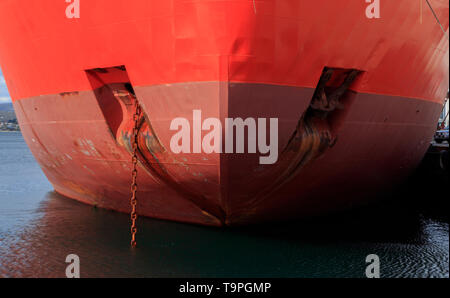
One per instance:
[(331, 247), (266, 65)]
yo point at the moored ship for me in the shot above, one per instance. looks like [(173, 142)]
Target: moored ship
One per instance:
[(356, 100)]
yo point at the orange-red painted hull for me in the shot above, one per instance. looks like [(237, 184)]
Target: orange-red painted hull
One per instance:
[(228, 59)]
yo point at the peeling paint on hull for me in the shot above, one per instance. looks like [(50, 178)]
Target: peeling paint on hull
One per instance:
[(224, 189), (226, 60)]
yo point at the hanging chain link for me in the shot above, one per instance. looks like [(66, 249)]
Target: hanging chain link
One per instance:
[(133, 200)]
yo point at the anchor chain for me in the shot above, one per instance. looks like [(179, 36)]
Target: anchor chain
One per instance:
[(133, 200)]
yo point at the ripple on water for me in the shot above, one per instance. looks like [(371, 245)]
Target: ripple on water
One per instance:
[(39, 228)]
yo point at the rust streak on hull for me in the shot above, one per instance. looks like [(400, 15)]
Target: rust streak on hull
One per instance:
[(191, 187), (71, 80)]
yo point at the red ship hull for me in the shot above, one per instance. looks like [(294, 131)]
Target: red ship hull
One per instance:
[(230, 59)]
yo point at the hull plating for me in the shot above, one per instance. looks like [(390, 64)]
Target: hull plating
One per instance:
[(228, 59), (83, 159)]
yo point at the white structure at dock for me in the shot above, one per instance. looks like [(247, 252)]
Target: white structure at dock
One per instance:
[(444, 115)]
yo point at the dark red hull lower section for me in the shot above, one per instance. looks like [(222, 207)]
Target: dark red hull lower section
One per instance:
[(379, 140)]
